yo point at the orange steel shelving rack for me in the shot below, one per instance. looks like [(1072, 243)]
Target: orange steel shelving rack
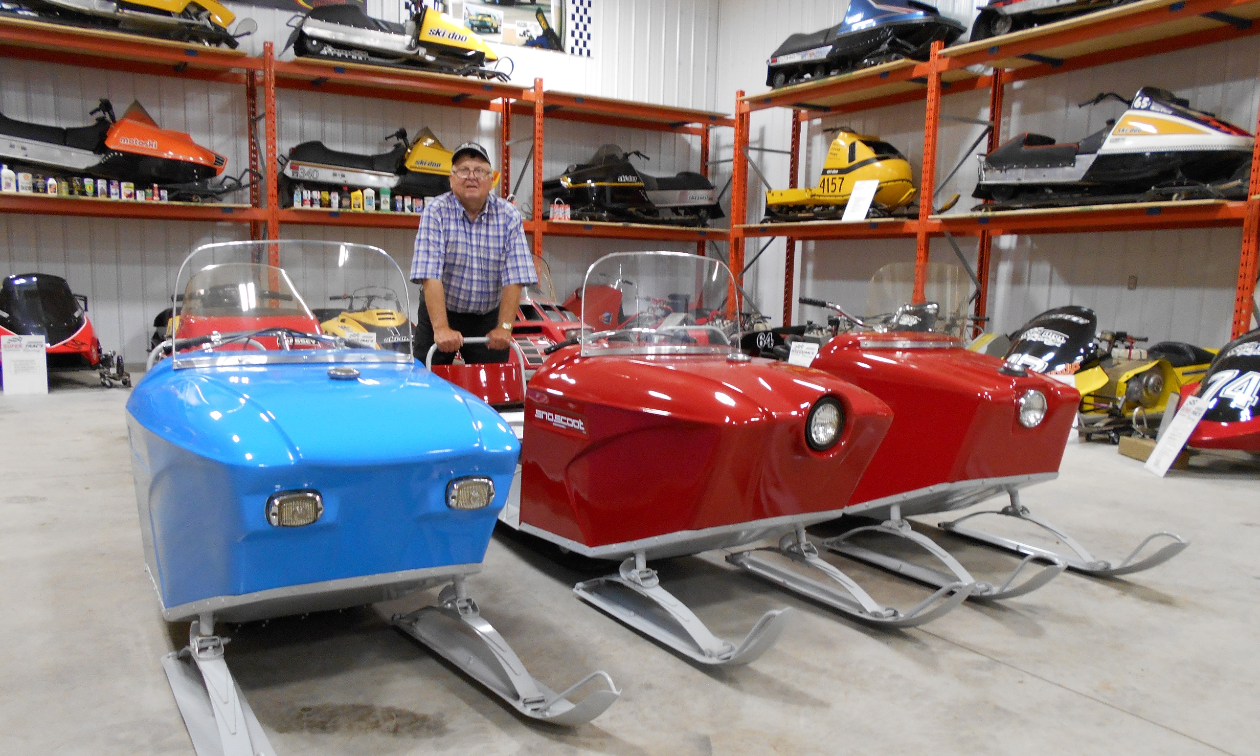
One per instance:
[(544, 104), (1134, 30), (51, 43)]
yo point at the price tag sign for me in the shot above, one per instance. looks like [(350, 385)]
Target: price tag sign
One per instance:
[(25, 361), (366, 340), (1173, 440), (860, 201), (803, 353)]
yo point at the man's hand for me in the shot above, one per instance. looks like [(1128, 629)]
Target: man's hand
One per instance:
[(447, 339), (499, 339)]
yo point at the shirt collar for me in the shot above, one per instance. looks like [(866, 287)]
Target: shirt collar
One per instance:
[(491, 209)]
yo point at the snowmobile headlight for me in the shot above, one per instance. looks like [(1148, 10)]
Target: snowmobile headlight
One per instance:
[(1153, 384), (1032, 408), (824, 424), (469, 493), (293, 509)]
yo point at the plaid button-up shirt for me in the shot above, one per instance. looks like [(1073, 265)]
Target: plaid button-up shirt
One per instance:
[(473, 259)]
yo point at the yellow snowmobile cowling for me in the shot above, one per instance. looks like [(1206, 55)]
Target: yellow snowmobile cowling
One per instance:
[(427, 155), (379, 322), (436, 30), (219, 14), (851, 158)]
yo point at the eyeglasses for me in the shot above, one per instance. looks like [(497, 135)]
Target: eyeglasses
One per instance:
[(467, 173)]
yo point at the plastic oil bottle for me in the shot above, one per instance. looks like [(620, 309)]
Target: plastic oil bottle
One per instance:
[(8, 180)]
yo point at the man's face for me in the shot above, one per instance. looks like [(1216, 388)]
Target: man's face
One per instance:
[(471, 178)]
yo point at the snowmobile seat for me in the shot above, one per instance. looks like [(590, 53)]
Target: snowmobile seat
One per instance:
[(1032, 151), (316, 152), (80, 137), (1180, 354), (349, 14), (1094, 142), (684, 180), (799, 42)]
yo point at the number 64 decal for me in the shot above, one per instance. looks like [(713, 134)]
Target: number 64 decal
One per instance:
[(1242, 391)]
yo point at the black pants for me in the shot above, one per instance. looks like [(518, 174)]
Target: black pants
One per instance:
[(470, 325)]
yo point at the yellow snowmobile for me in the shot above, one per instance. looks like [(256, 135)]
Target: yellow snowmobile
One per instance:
[(372, 318), (204, 21), (852, 158)]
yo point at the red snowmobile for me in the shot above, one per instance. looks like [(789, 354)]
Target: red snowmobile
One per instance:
[(39, 304)]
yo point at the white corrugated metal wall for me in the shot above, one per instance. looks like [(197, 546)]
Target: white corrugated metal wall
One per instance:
[(1185, 279), (648, 50)]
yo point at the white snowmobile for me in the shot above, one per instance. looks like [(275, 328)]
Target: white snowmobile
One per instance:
[(1161, 148), (426, 40)]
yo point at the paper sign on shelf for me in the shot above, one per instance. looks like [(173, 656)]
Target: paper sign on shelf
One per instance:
[(356, 338), (1173, 440), (803, 353), (860, 200), (25, 361)]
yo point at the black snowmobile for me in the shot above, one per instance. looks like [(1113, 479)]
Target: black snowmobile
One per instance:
[(1159, 149), (425, 40), (610, 188), (872, 33), (417, 169), (203, 21), (1005, 16)]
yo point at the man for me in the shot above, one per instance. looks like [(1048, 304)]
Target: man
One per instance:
[(471, 260)]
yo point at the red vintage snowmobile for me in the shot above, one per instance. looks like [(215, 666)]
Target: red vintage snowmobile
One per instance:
[(740, 449), (993, 427), (1232, 388)]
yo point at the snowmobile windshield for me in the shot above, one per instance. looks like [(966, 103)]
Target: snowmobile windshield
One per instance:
[(544, 289), (1232, 383), (249, 303), (659, 303), (882, 150), (428, 139), (37, 304), (891, 290), (1057, 342), (609, 153)]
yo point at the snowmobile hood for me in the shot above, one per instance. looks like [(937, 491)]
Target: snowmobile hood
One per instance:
[(137, 133), (219, 15), (861, 16), (436, 30), (427, 155), (40, 304), (1232, 383), (959, 399), (618, 450), (1056, 342), (289, 414)]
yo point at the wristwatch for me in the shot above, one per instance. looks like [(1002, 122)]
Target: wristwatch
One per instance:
[(506, 326)]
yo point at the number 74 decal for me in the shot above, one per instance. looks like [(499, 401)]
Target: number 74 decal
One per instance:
[(1242, 391)]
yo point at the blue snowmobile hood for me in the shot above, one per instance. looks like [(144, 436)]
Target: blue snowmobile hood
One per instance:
[(273, 414)]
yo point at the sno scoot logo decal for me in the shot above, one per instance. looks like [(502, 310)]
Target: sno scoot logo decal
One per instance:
[(1044, 336), (562, 422), (148, 144)]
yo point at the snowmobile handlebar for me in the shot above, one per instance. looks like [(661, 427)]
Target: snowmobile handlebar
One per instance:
[(106, 109), (1103, 96), (831, 306), (636, 153)]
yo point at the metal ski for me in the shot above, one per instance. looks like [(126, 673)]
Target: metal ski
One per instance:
[(634, 596), (456, 631), (1082, 560), (218, 718), (852, 600), (981, 590)]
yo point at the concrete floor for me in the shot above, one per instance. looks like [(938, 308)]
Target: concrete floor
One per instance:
[(1159, 663)]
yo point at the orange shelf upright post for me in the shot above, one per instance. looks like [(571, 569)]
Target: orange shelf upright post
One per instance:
[(705, 132), (927, 183), (270, 159), (255, 190), (1249, 259), (505, 148), (739, 186), (789, 260), (539, 217), (985, 245)]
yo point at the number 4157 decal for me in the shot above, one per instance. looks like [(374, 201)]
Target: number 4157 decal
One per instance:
[(1242, 391)]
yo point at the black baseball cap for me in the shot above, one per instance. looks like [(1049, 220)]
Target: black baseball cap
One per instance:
[(470, 148)]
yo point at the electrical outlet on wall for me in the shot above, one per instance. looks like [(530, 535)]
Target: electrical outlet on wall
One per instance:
[(1132, 283)]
